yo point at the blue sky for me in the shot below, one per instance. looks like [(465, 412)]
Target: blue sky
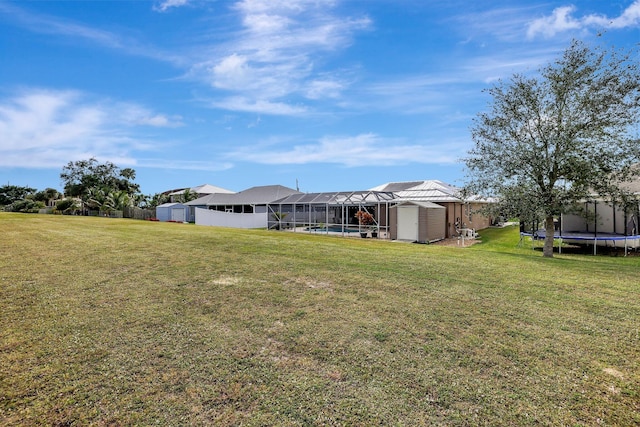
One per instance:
[(336, 95)]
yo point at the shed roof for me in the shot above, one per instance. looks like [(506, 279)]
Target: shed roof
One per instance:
[(428, 205), (170, 205)]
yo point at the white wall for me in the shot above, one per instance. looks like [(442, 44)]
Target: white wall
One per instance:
[(234, 220)]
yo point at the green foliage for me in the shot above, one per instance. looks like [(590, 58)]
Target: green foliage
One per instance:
[(140, 200), (46, 195), (25, 206), (14, 193), (67, 205), (187, 196), (550, 141), (156, 200), (92, 181), (119, 200), (99, 199)]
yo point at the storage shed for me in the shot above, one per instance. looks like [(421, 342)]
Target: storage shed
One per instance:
[(461, 212), (172, 212), (421, 222)]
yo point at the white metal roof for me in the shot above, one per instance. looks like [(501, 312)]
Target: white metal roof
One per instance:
[(204, 189), (429, 191), (428, 205)]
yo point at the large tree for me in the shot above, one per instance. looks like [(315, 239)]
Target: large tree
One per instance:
[(86, 178), (551, 140)]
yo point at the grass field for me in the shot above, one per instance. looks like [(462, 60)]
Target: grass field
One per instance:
[(122, 322)]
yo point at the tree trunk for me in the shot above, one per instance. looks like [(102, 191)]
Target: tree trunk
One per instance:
[(549, 228)]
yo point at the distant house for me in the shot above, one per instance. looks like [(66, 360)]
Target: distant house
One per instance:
[(198, 191), (245, 209), (461, 213), (421, 211)]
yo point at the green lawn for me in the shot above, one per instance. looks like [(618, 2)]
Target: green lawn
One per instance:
[(122, 322)]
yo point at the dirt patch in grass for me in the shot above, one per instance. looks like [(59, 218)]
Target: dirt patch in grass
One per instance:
[(226, 281), (613, 372)]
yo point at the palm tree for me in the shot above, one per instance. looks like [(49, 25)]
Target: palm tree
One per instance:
[(96, 198), (120, 200), (188, 195)]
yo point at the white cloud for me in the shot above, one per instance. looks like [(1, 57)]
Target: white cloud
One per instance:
[(629, 18), (45, 24), (562, 19), (284, 6), (136, 115), (324, 88), (276, 54), (232, 73), (47, 128), (260, 106), (195, 165), (505, 24), (266, 24), (274, 57), (52, 25), (167, 4), (360, 150), (160, 120)]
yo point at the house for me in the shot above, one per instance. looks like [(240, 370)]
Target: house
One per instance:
[(198, 191), (201, 191), (420, 211), (461, 213), (246, 209)]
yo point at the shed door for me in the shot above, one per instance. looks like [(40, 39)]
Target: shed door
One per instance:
[(408, 223), (177, 214)]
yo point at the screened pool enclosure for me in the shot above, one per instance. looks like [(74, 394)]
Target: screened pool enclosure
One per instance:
[(331, 212)]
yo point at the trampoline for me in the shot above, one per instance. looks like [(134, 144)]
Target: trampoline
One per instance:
[(585, 238)]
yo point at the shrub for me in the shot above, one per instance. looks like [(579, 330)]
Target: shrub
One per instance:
[(66, 206), (26, 206)]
